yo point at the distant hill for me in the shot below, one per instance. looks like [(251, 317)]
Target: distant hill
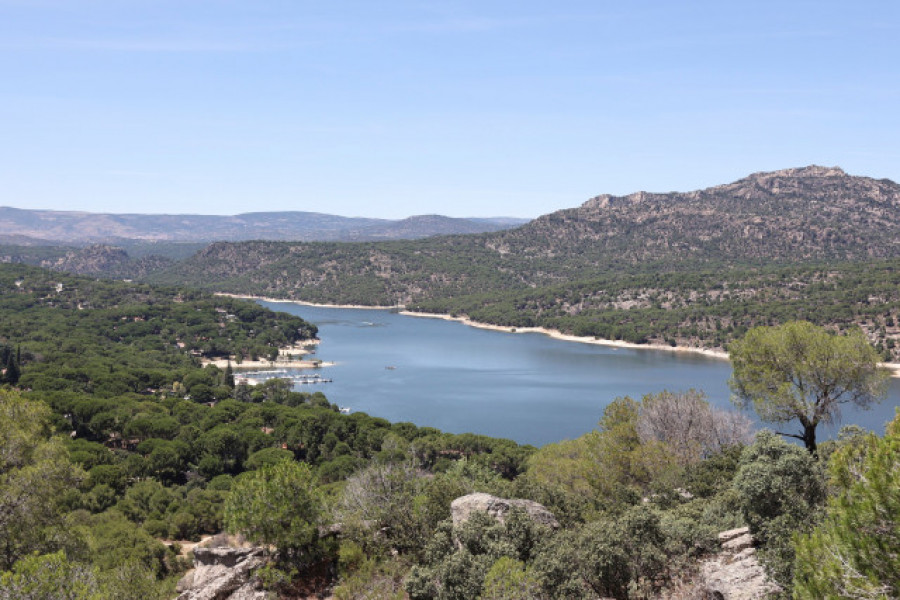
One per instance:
[(97, 260), (421, 226), (791, 216), (30, 227)]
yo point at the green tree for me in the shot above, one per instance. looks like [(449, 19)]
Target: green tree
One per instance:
[(278, 505), (12, 374), (855, 552), (55, 577), (457, 559), (49, 577), (803, 372), (229, 375), (619, 557), (781, 489), (387, 499), (35, 474), (508, 579)]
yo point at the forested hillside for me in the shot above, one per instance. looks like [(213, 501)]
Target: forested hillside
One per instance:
[(695, 268), (707, 307)]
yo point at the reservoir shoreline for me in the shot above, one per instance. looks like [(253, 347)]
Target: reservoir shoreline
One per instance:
[(894, 368)]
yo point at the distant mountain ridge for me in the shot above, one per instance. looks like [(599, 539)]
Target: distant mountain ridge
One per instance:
[(791, 216), (30, 227)]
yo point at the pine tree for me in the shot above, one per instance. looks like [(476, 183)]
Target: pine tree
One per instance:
[(229, 375), (12, 370), (855, 553)]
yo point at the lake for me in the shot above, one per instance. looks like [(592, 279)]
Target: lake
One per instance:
[(527, 387)]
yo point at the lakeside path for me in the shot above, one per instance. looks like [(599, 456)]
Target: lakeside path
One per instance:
[(894, 368)]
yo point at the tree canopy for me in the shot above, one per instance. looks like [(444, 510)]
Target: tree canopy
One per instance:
[(855, 552), (276, 505), (803, 372)]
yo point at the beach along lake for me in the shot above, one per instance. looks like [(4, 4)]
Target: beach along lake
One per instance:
[(527, 387)]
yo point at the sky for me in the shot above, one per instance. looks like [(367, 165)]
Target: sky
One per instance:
[(395, 108)]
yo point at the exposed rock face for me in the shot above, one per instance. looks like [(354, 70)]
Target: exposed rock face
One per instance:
[(222, 574), (463, 507), (735, 574)]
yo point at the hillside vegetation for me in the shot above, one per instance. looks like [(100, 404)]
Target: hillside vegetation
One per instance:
[(114, 438), (695, 268)]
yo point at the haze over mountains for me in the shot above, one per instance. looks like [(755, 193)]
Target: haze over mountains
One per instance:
[(43, 227)]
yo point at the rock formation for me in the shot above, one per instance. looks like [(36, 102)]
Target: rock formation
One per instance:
[(222, 574), (735, 574), (463, 507)]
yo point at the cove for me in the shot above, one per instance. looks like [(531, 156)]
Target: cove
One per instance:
[(527, 387)]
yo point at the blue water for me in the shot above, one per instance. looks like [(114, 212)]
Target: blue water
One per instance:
[(525, 386)]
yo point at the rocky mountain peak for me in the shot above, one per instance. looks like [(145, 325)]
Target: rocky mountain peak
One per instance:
[(809, 171), (804, 213)]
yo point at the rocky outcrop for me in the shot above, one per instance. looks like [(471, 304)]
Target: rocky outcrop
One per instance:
[(463, 507), (735, 574), (222, 574)]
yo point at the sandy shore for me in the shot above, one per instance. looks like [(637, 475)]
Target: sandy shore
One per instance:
[(291, 357), (268, 364), (301, 302), (720, 354), (894, 368)]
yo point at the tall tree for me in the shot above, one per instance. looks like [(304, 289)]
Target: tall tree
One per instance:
[(277, 505), (803, 372), (35, 473), (855, 552), (229, 375), (12, 374)]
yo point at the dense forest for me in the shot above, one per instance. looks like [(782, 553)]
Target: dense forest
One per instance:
[(120, 449), (707, 307)]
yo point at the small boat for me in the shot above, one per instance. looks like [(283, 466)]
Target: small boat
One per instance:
[(390, 368), (345, 410)]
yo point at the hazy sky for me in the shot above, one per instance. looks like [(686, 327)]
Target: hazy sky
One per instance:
[(391, 108)]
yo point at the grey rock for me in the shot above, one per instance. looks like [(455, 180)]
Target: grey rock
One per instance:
[(739, 543), (464, 507), (735, 573), (186, 582), (227, 557), (732, 533), (222, 574)]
